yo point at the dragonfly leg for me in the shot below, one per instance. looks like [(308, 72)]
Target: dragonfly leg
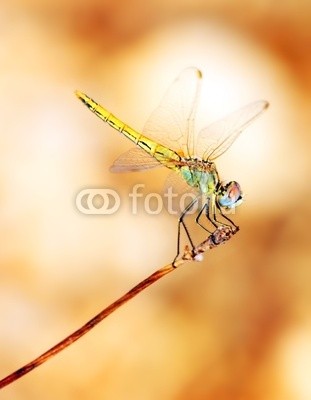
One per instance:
[(210, 213), (182, 222), (228, 219), (197, 220), (211, 208), (216, 208)]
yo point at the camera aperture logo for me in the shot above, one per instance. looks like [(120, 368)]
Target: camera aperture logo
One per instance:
[(98, 201)]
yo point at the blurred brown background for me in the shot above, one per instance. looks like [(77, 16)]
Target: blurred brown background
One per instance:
[(236, 326)]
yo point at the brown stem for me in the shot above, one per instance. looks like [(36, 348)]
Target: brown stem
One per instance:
[(221, 235)]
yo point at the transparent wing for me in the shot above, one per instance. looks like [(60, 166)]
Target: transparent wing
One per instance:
[(134, 159), (178, 194), (214, 140), (172, 123)]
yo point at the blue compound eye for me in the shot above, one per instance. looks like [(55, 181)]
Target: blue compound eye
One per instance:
[(229, 195)]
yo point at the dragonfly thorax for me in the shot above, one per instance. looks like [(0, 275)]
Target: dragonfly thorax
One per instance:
[(201, 174)]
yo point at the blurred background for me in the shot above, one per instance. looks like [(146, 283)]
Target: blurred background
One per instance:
[(236, 326)]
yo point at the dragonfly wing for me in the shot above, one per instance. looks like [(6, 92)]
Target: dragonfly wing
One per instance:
[(214, 140), (178, 194), (172, 123), (134, 159)]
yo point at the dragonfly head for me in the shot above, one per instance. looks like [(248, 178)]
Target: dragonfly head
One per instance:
[(229, 195)]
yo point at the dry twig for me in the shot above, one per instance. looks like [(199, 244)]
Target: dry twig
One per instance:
[(220, 236)]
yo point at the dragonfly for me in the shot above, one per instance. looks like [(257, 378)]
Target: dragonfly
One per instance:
[(168, 139)]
